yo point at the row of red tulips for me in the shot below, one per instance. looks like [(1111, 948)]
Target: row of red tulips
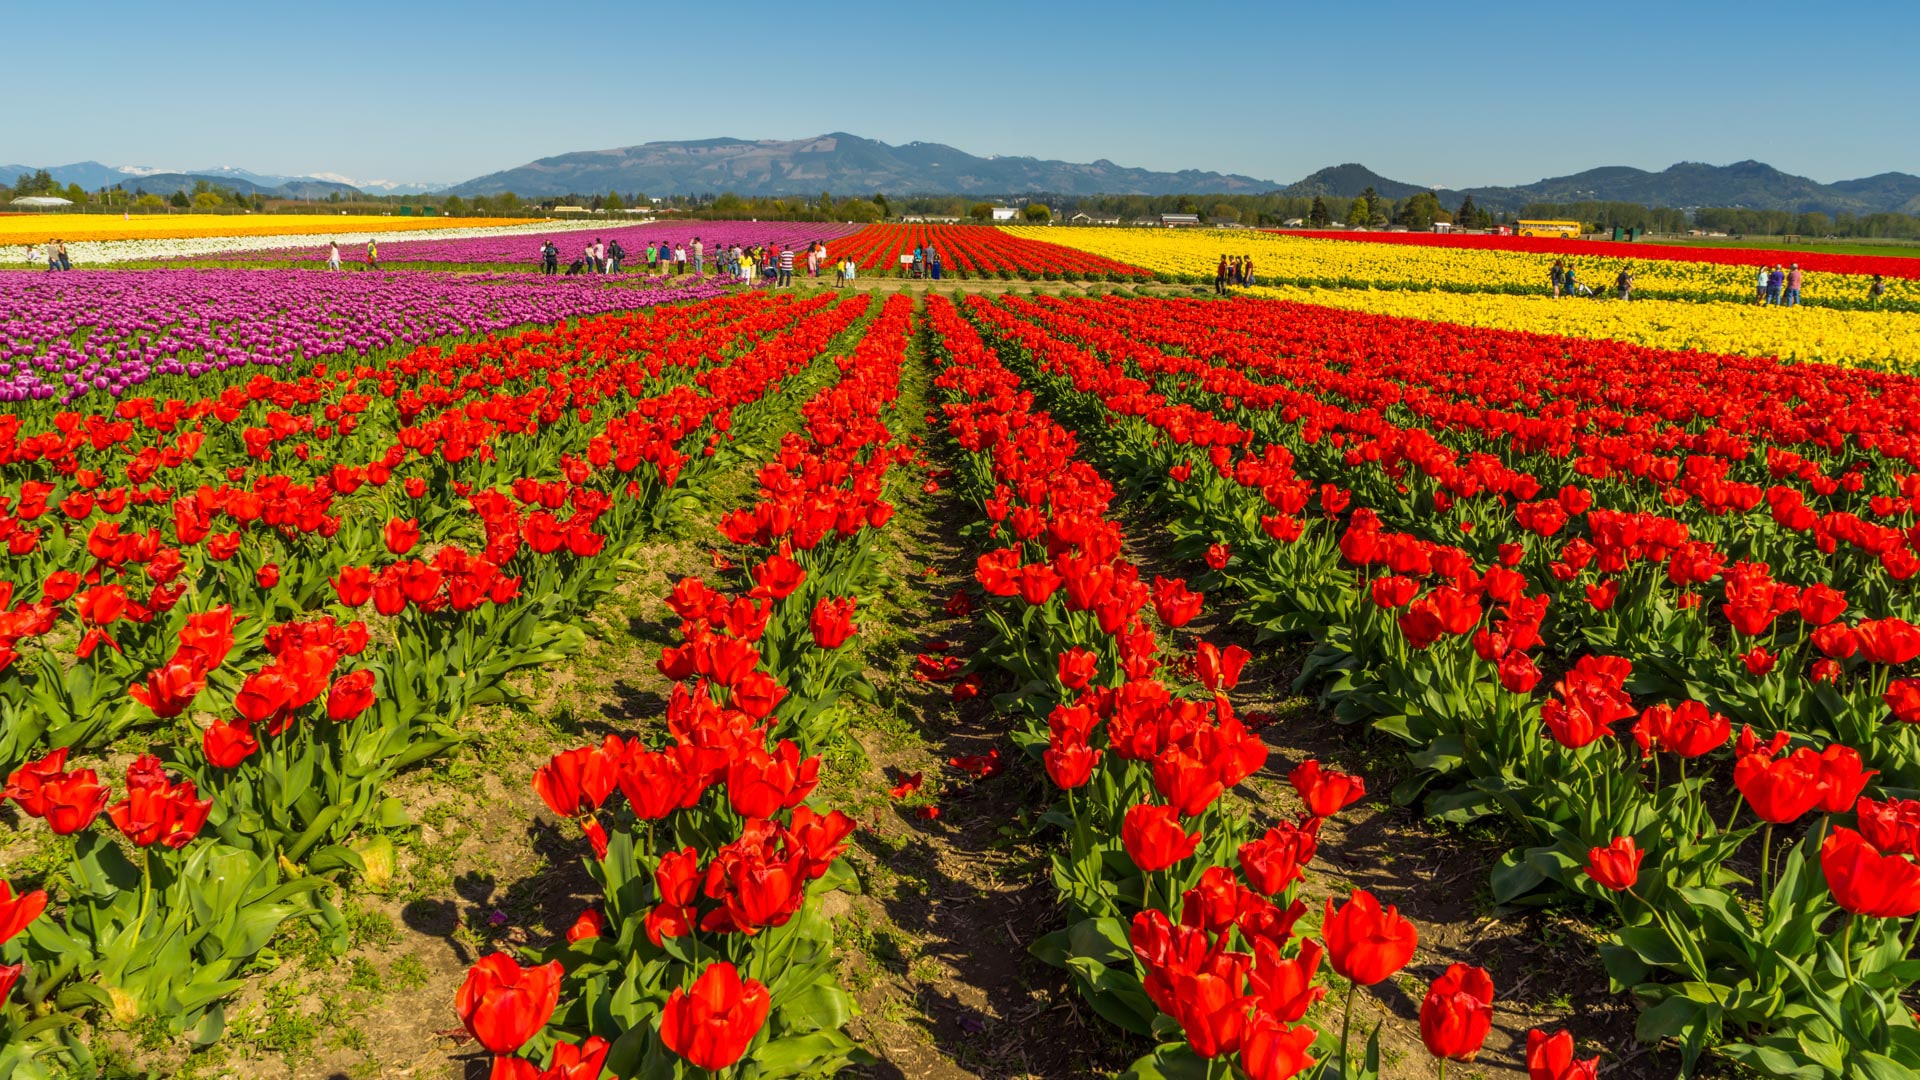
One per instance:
[(709, 950), (242, 659), (1783, 969), (969, 251), (1187, 936)]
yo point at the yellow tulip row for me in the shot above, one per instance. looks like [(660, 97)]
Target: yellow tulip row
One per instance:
[(1301, 260), (1881, 339), (31, 228)]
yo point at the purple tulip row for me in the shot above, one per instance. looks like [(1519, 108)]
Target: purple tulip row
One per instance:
[(69, 335), (525, 247)]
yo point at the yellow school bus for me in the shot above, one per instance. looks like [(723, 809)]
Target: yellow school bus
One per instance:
[(1551, 228)]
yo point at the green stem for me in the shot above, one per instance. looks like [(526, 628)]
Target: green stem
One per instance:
[(1346, 1028), (1766, 849), (1846, 949)]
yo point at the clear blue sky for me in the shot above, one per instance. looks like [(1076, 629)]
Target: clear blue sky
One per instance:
[(1437, 93)]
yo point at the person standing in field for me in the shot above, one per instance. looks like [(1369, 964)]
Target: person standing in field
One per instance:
[(617, 255), (1876, 290), (1557, 274), (333, 256), (786, 267), (550, 257), (853, 270), (1220, 277), (1624, 283), (1567, 281), (699, 257), (1760, 287), (373, 254), (1792, 297), (53, 256), (933, 262), (1246, 267), (1776, 280), (65, 262)]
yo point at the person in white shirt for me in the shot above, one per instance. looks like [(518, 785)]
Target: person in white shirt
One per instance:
[(333, 256)]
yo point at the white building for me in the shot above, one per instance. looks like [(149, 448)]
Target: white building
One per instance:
[(1005, 213)]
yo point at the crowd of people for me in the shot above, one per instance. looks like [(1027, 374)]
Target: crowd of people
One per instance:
[(1773, 286), (1235, 272), (56, 256), (768, 264)]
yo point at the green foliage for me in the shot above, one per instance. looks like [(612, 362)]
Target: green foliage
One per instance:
[(1318, 217), (1037, 212), (1420, 212), (980, 211)]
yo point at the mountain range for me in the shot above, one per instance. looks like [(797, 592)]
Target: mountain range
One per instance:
[(835, 162), (93, 176), (1688, 185), (848, 164)]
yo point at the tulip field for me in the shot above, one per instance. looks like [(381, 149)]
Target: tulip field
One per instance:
[(481, 674)]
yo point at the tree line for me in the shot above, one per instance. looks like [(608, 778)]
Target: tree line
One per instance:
[(1370, 209)]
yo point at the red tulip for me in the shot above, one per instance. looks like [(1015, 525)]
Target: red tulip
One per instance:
[(227, 743), (401, 536), (72, 800), (1176, 604), (591, 924), (1866, 882), (575, 782), (712, 1025), (1457, 1013), (1550, 1057), (353, 585), (170, 689), (1285, 987), (1688, 730), (1069, 761), (17, 911), (156, 810), (1219, 669), (778, 576), (1844, 777), (583, 1062), (1616, 866), (504, 1005), (1218, 555), (1518, 673), (1365, 943), (1888, 641), (1781, 791), (1275, 860), (1270, 1050), (1187, 782), (1903, 698), (350, 695), (833, 621), (1077, 668), (1154, 840), (1892, 826), (760, 784), (1327, 792), (267, 576)]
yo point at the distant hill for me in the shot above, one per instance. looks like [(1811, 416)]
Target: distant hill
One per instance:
[(1749, 184), (93, 176), (840, 163), (1349, 181)]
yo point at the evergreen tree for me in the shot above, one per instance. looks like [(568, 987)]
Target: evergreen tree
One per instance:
[(1468, 216), (1318, 217)]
